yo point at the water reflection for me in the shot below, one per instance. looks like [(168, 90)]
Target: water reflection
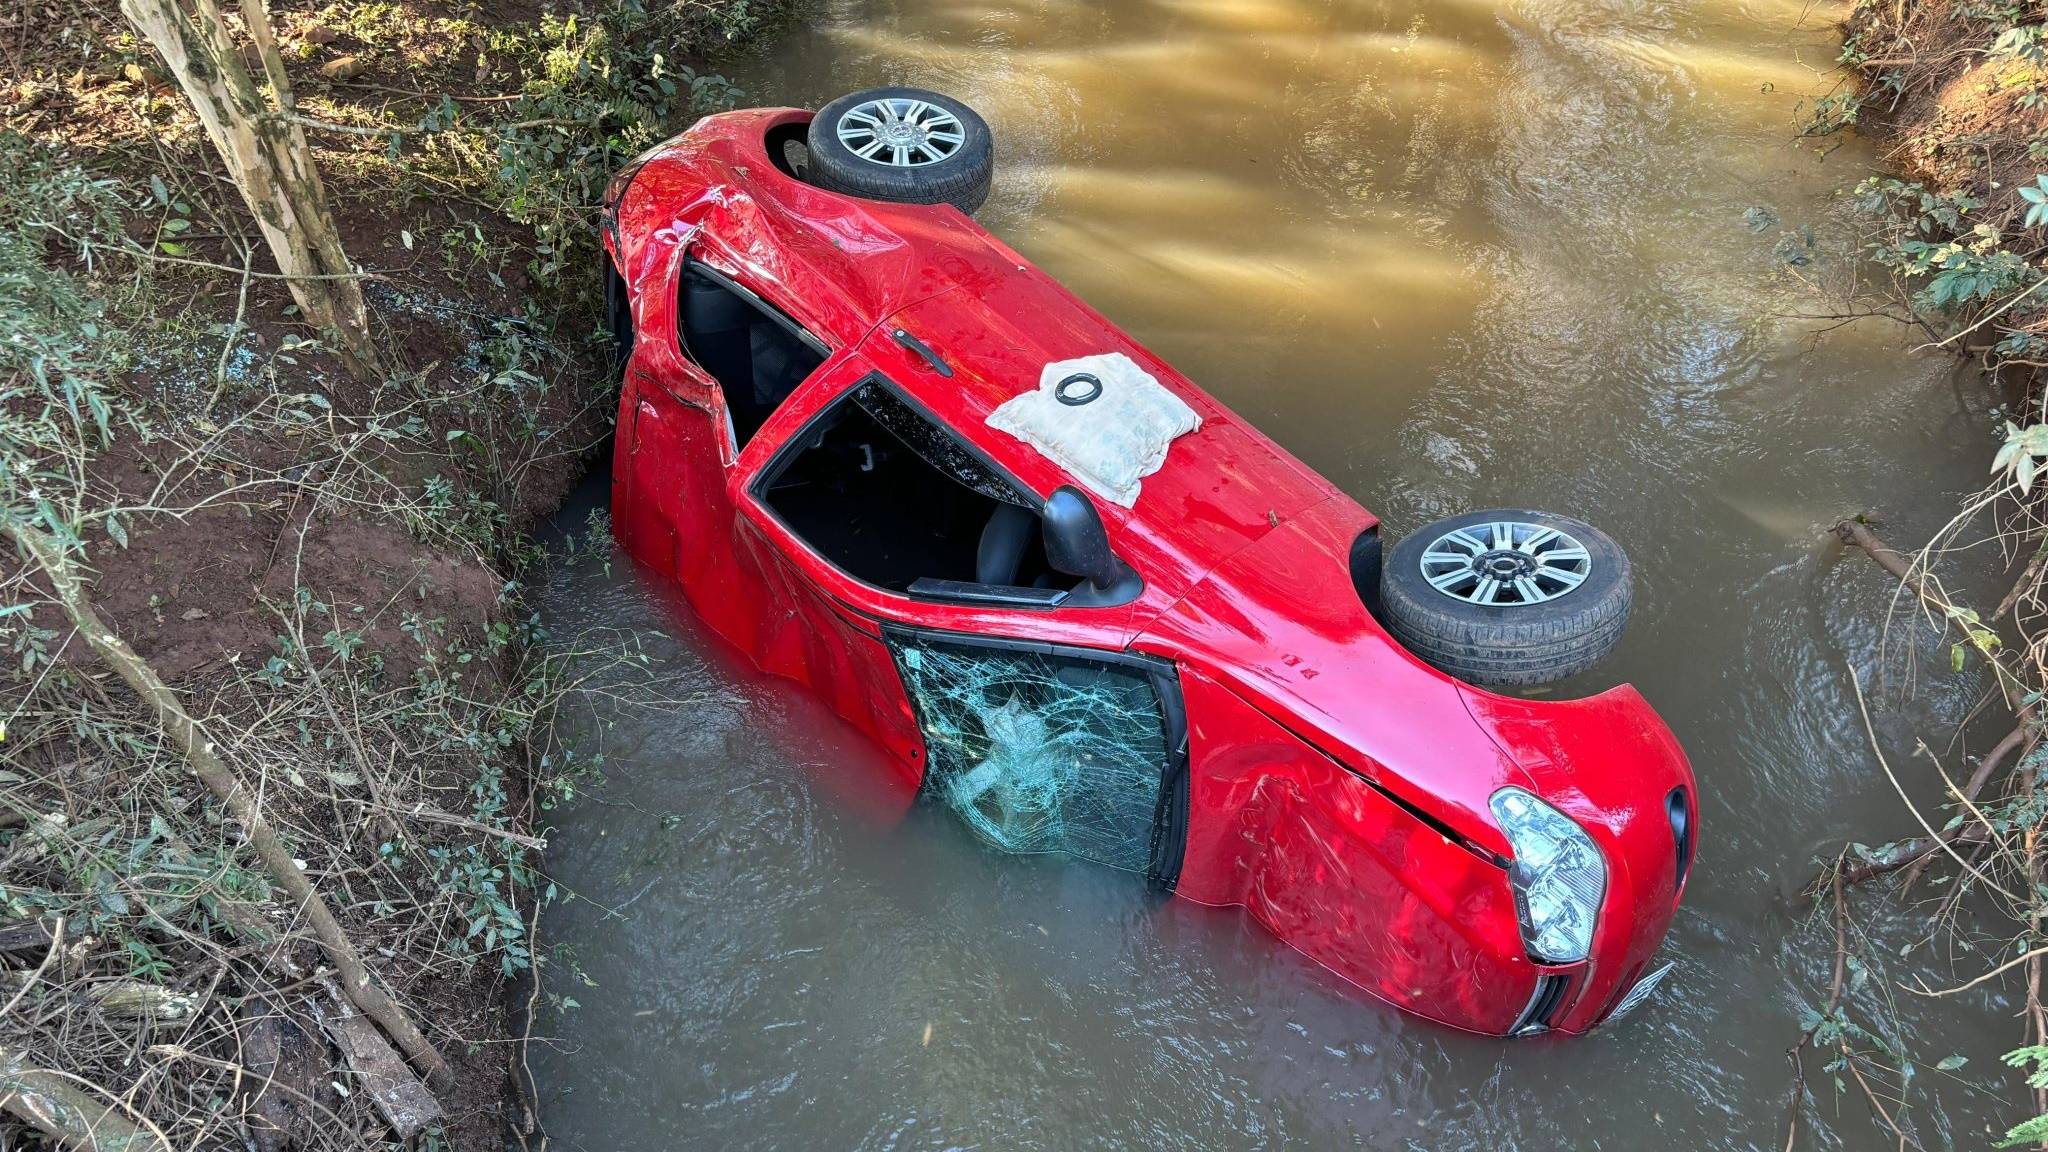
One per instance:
[(1453, 255)]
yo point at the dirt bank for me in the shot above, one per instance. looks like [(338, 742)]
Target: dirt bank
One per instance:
[(326, 569), (1957, 94)]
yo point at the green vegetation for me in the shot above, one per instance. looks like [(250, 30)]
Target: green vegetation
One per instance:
[(1958, 91), (328, 571)]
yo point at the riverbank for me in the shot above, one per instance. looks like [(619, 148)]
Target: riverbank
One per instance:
[(328, 571), (1957, 97)]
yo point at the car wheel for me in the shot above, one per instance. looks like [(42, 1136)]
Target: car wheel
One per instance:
[(904, 145), (1508, 597)]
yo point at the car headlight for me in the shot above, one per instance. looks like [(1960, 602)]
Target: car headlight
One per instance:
[(1558, 876)]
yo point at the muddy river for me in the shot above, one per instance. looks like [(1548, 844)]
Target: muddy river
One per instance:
[(1454, 255)]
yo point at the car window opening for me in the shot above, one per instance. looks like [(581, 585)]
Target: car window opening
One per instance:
[(891, 499), (756, 355)]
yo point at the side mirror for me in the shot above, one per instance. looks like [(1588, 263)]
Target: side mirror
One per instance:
[(1078, 545)]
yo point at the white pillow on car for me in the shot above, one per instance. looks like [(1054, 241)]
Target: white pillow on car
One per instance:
[(1102, 418)]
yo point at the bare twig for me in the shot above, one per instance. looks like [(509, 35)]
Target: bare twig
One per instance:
[(220, 779)]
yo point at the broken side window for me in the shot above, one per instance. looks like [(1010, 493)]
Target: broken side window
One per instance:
[(1049, 751)]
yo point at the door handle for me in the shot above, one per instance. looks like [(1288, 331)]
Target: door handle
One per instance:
[(931, 358)]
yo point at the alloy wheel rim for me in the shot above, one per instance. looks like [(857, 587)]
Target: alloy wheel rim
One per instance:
[(901, 132), (1506, 563)]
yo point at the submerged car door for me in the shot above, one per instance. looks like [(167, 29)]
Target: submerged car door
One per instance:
[(1026, 718), (694, 413), (669, 486)]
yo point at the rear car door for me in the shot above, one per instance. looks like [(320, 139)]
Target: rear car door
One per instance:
[(713, 361)]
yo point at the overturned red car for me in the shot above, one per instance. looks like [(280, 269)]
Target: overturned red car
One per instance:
[(1091, 611)]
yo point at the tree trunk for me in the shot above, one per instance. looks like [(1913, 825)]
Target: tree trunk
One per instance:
[(220, 779), (266, 152)]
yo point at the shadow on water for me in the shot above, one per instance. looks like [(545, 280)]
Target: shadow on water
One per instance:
[(1453, 255)]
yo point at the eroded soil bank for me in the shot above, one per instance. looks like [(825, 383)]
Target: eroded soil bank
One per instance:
[(329, 570)]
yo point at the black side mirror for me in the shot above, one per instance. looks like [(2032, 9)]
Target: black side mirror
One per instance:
[(1077, 544)]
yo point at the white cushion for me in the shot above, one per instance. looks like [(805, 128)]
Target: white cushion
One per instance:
[(1111, 433)]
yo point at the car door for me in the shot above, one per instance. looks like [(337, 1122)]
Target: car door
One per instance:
[(684, 430), (678, 423), (1025, 718)]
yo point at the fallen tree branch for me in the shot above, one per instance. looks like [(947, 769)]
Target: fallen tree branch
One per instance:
[(1911, 854), (220, 779), (1870, 729), (49, 1101), (2014, 741), (1858, 534), (431, 816)]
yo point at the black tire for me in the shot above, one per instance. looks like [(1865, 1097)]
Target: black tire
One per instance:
[(1509, 644), (960, 179)]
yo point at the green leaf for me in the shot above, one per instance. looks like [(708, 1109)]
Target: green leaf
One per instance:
[(115, 530), (1951, 1063)]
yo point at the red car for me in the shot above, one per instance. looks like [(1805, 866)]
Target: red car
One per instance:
[(1091, 611)]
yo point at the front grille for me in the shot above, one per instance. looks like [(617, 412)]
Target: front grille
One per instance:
[(1543, 1004)]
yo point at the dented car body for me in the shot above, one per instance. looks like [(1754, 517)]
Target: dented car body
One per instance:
[(804, 449)]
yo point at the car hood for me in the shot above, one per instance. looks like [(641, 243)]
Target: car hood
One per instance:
[(1281, 625)]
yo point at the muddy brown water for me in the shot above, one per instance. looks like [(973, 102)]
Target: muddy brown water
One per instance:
[(1454, 255)]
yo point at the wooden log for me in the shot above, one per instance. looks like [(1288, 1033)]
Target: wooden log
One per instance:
[(151, 1005), (57, 1106), (288, 1083), (27, 935), (397, 1094)]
